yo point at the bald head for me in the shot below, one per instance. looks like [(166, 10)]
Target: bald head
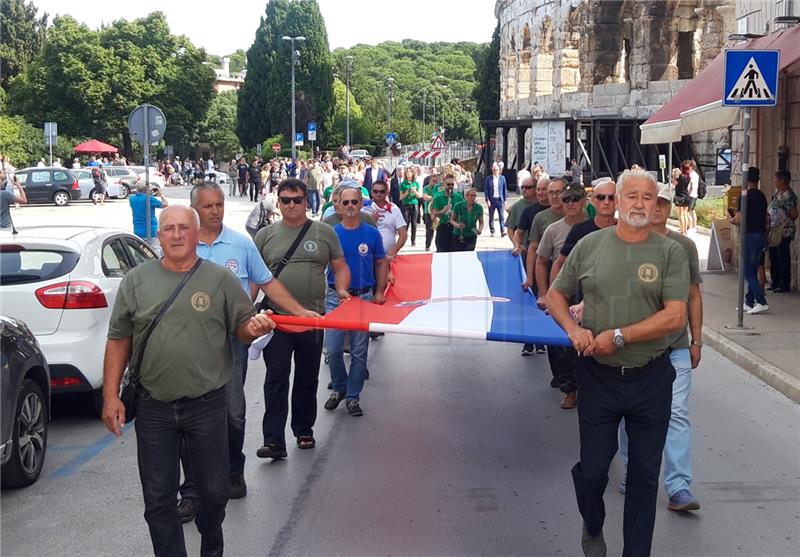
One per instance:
[(178, 213)]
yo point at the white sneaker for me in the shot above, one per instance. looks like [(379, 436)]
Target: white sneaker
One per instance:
[(746, 307), (758, 308)]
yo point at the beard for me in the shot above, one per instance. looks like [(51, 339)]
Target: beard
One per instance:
[(636, 220)]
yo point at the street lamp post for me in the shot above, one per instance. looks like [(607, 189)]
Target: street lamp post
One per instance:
[(390, 83), (294, 62), (347, 99), (435, 128)]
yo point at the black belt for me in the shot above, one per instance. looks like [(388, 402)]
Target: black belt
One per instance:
[(625, 372)]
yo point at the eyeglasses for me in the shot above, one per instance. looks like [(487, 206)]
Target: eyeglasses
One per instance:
[(379, 191), (603, 196), (346, 202), (555, 193), (529, 187), (290, 200), (570, 200)]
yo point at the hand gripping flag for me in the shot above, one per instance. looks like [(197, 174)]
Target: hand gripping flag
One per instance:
[(475, 295)]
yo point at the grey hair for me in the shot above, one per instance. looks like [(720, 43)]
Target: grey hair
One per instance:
[(141, 187), (544, 178), (635, 174), (204, 186), (175, 207)]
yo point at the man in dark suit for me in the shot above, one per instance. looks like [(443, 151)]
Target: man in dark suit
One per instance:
[(372, 174), (495, 189)]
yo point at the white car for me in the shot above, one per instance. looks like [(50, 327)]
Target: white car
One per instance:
[(62, 281), (358, 154), (156, 177), (115, 188)]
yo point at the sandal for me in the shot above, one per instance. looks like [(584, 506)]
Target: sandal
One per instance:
[(306, 442)]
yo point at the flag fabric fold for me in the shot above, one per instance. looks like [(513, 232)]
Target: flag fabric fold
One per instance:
[(475, 295)]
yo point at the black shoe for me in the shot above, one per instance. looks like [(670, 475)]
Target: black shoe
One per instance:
[(333, 402), (354, 408), (330, 385), (527, 350), (593, 546), (187, 509), (238, 487), (556, 383), (540, 349), (273, 450), (366, 374), (780, 290)]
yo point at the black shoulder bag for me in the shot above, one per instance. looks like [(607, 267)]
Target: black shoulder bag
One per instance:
[(130, 382), (264, 305)]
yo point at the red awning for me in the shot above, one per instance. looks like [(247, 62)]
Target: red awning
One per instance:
[(698, 106), (95, 146)]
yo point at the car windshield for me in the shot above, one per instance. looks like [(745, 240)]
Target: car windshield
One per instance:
[(19, 265)]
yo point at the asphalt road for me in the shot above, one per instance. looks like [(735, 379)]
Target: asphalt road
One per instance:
[(462, 451)]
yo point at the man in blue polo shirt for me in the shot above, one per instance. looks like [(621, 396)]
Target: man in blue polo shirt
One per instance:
[(236, 252), (138, 203), (362, 245)]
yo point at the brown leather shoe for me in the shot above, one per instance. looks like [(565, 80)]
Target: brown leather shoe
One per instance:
[(569, 401)]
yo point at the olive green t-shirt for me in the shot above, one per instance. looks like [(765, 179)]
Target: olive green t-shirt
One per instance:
[(189, 353), (681, 338), (304, 276), (623, 284), (541, 221), (469, 217), (512, 220), (314, 179)]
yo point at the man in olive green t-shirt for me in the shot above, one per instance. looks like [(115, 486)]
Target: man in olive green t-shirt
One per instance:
[(541, 221), (183, 372), (304, 277), (528, 189), (635, 285), (313, 181)]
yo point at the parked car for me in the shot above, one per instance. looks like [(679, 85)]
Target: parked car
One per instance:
[(63, 280), (358, 154), (49, 184), (156, 177), (114, 186), (24, 404)]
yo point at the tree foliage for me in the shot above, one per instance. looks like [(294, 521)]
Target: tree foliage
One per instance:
[(218, 128), (487, 73), (22, 34), (23, 144), (265, 98), (89, 81)]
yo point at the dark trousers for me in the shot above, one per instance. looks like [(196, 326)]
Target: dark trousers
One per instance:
[(236, 403), (496, 204), (444, 237), (645, 402), (254, 190), (410, 214), (313, 201), (464, 244), (562, 363), (428, 220), (754, 245), (780, 261), (161, 427), (306, 348)]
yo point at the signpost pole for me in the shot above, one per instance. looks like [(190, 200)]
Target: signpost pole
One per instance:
[(146, 157), (50, 132), (743, 217)]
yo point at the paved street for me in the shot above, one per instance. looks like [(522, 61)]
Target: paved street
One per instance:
[(463, 450)]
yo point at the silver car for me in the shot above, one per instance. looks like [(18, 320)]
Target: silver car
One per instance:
[(114, 187)]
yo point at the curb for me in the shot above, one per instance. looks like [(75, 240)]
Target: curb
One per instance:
[(772, 375)]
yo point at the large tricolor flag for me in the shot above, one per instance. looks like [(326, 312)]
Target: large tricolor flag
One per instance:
[(475, 295)]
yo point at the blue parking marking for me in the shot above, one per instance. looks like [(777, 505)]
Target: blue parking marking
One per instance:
[(86, 454)]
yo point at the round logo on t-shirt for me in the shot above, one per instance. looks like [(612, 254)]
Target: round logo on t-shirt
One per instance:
[(200, 301), (648, 272), (363, 249), (310, 246), (233, 265)]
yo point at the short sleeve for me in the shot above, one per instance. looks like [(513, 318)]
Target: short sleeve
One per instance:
[(545, 247), (533, 233), (525, 220), (567, 280), (675, 285), (257, 270), (694, 263), (569, 243), (120, 324), (377, 244), (333, 242), (155, 202), (399, 219), (238, 306)]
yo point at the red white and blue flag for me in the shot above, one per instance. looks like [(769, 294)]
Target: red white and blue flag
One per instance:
[(475, 295)]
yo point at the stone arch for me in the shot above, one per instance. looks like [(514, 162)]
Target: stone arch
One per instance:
[(510, 65), (545, 57), (569, 77), (524, 72)]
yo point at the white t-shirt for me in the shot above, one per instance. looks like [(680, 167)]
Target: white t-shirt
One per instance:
[(389, 221), (327, 179), (694, 184), (496, 192)]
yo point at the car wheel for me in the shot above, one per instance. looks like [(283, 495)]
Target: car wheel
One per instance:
[(61, 198), (97, 402), (29, 438), (125, 191)]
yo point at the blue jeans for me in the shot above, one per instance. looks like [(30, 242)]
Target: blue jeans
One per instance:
[(313, 201), (351, 383), (496, 204), (678, 448), (754, 245), (161, 427)]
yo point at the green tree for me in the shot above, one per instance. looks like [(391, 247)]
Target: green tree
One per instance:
[(264, 102), (219, 127), (487, 73), (23, 144), (22, 34)]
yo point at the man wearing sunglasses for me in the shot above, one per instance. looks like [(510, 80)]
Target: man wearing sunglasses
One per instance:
[(540, 223), (389, 220), (528, 189), (362, 245), (442, 209), (304, 275)]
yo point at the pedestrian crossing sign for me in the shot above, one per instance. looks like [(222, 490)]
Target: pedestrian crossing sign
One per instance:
[(751, 78)]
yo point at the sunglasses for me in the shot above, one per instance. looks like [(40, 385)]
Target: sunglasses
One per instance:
[(603, 196), (448, 185), (378, 191), (570, 200), (346, 202), (529, 187), (290, 200)]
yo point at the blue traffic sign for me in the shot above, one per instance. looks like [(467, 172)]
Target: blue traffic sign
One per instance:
[(298, 139), (391, 138), (751, 78), (312, 127)]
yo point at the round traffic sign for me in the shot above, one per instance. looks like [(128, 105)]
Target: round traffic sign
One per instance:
[(147, 123), (276, 147)]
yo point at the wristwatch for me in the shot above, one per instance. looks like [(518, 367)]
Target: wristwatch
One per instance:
[(618, 340), (697, 343)]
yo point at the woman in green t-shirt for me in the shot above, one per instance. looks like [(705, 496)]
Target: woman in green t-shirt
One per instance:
[(410, 193), (467, 221)]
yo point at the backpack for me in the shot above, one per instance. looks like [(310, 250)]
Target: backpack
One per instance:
[(701, 189)]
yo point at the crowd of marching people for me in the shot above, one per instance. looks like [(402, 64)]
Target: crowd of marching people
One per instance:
[(601, 261)]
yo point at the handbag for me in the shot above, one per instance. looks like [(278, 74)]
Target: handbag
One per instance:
[(264, 305), (775, 236), (129, 389)]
